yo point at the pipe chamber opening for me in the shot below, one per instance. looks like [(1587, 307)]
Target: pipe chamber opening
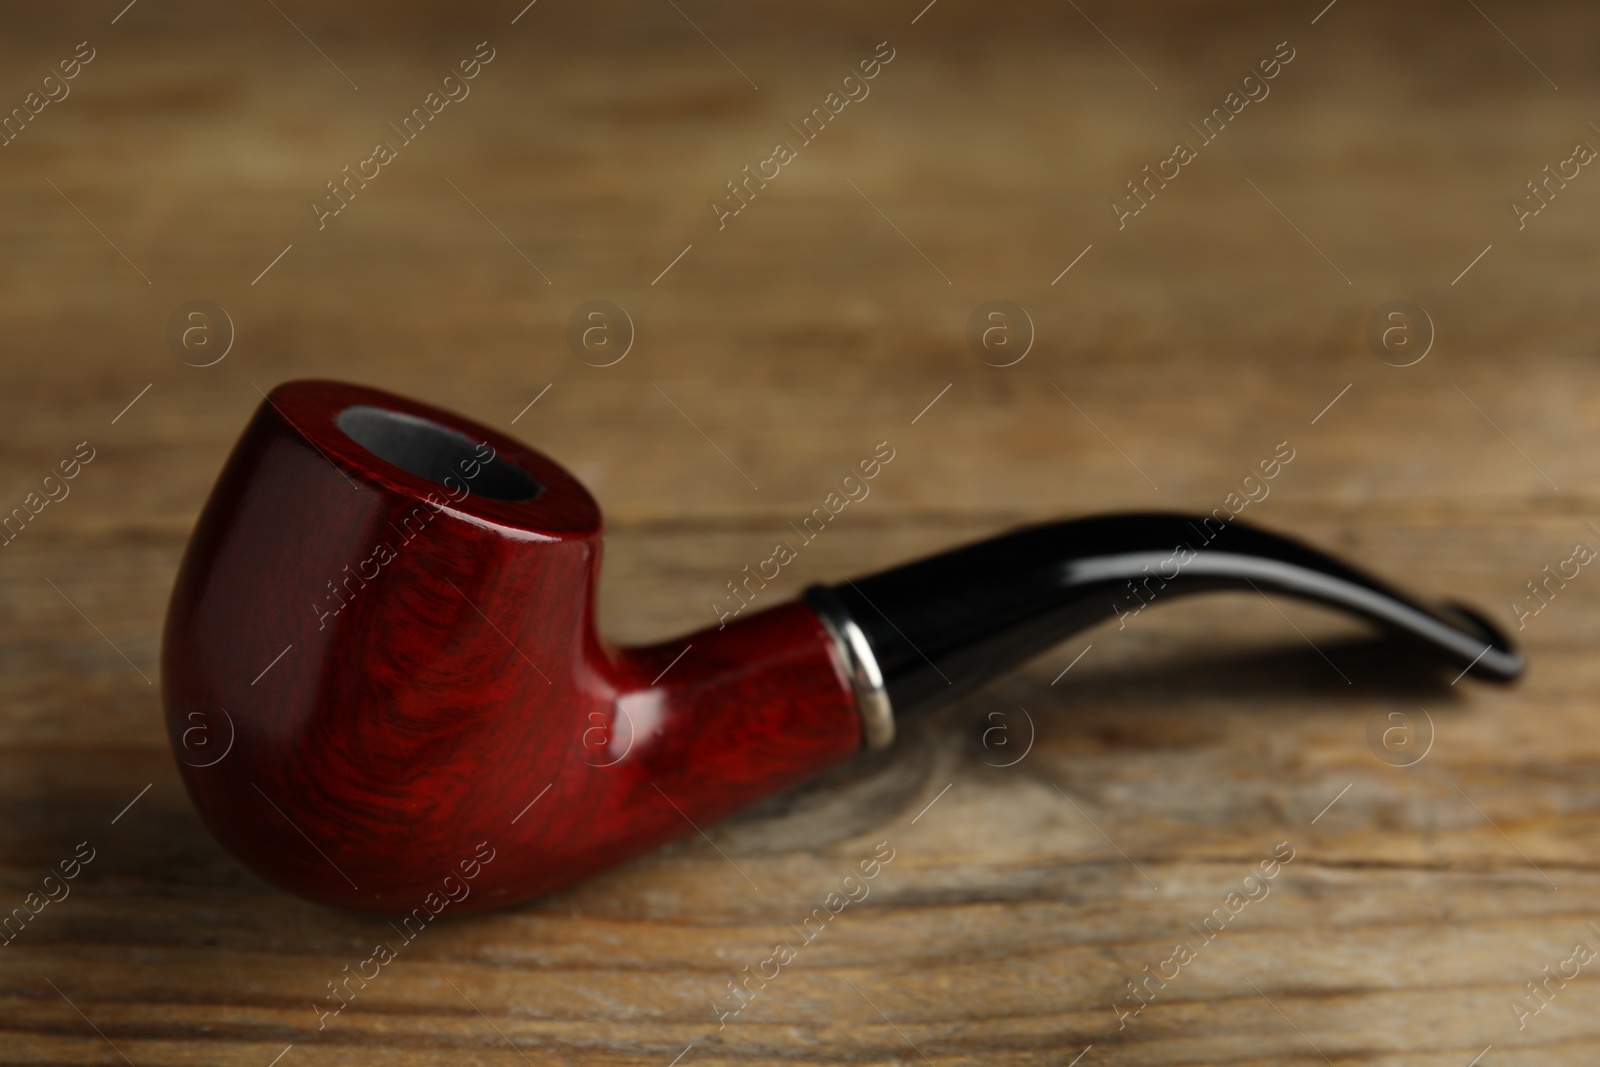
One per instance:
[(431, 451)]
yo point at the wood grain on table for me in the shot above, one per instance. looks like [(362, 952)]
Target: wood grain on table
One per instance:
[(1229, 315)]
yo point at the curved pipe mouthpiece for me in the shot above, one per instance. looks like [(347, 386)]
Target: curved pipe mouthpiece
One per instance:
[(940, 627), (386, 691)]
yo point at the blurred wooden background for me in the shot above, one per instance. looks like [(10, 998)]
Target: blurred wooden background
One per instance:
[(825, 317)]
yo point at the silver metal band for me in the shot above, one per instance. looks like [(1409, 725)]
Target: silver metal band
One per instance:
[(860, 665)]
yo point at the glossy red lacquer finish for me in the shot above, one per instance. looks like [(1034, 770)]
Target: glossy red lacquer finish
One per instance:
[(460, 695)]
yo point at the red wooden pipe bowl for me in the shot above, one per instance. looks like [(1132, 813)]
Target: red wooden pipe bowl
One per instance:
[(386, 690)]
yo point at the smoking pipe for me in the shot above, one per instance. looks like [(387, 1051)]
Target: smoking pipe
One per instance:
[(384, 684)]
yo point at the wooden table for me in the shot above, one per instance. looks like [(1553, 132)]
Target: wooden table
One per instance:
[(1228, 315)]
